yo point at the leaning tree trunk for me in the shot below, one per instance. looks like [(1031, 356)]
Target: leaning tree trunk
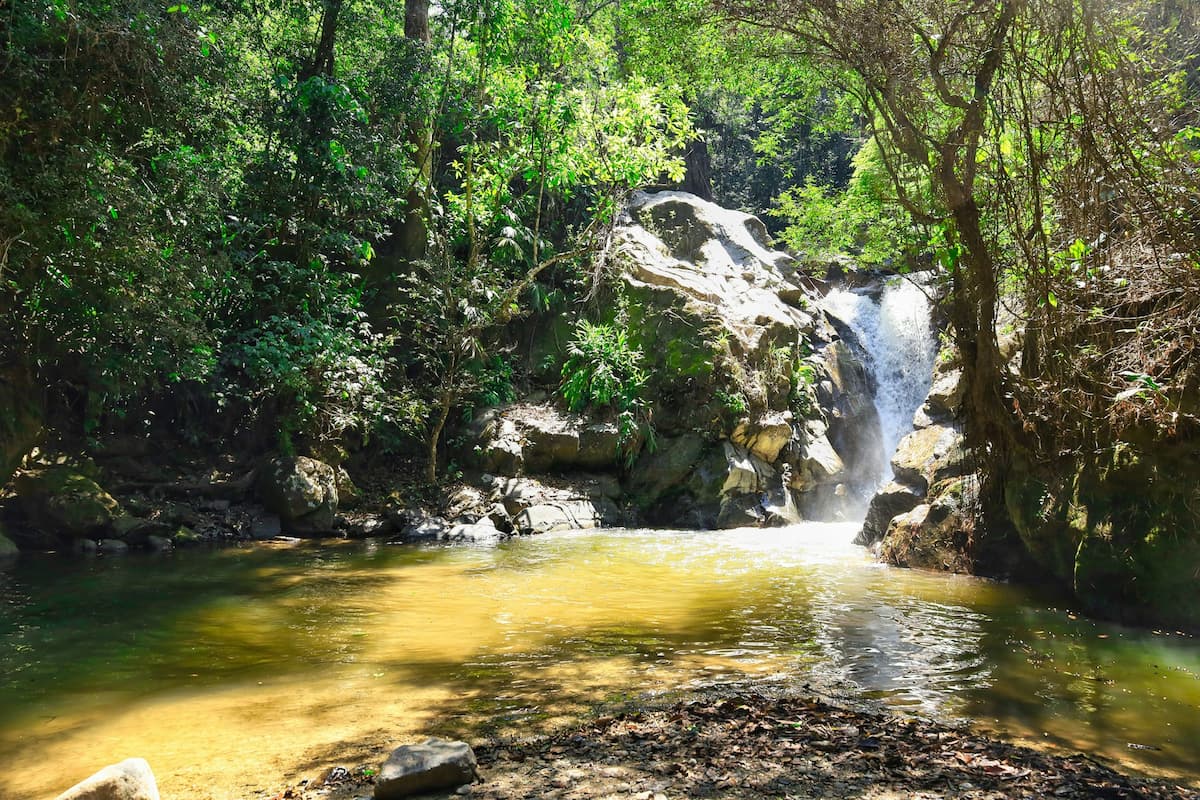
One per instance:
[(322, 62), (414, 232), (408, 239)]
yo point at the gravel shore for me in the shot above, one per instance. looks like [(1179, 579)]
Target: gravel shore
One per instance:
[(752, 745)]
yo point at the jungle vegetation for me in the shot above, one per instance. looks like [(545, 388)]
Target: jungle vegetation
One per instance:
[(295, 222)]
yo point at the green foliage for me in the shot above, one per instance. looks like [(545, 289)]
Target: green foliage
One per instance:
[(494, 379), (817, 223), (604, 372), (862, 220), (770, 118), (733, 402)]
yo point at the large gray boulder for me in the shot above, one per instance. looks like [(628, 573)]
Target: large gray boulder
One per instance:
[(931, 455), (424, 529), (540, 438), (946, 395), (482, 532), (567, 515), (711, 307), (434, 765), (302, 491), (129, 780)]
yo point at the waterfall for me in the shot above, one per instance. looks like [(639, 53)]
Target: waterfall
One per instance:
[(894, 326)]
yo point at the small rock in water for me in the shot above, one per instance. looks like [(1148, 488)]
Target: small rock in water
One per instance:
[(265, 527), (129, 780), (159, 543), (427, 767)]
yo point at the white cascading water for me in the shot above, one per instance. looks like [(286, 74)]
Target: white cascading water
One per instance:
[(895, 327)]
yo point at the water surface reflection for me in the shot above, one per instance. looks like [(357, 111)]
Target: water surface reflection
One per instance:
[(227, 669)]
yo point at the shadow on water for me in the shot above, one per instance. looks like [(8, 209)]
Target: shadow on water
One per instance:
[(141, 624)]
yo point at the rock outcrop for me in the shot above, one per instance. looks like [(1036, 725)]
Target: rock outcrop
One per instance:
[(924, 517), (540, 439), (756, 400), (1119, 527)]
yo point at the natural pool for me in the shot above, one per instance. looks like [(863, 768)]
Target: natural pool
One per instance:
[(234, 670)]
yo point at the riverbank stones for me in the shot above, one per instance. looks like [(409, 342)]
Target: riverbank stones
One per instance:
[(433, 765)]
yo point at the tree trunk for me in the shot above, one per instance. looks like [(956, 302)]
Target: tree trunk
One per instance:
[(435, 436), (698, 178), (322, 63), (409, 236), (414, 233)]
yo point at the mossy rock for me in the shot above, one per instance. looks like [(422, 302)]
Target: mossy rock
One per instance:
[(935, 535), (1121, 531), (1040, 518), (666, 468), (184, 536), (63, 501)]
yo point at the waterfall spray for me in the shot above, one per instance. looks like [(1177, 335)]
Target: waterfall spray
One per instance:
[(895, 328)]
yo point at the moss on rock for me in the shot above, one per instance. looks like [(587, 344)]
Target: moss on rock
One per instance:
[(1122, 529)]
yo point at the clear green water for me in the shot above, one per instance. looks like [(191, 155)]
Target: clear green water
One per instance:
[(234, 670)]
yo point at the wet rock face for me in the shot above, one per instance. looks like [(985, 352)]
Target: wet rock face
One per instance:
[(302, 491), (925, 516), (1121, 529), (889, 502)]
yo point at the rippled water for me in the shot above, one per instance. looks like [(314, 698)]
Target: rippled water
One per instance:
[(235, 670)]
